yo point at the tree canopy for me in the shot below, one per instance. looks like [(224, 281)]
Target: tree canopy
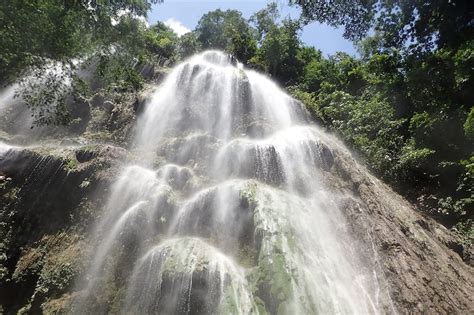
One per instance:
[(226, 30), (57, 30), (413, 24)]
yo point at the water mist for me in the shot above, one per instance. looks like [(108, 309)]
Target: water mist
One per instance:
[(225, 209)]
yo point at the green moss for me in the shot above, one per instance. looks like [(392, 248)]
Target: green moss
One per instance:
[(249, 193), (279, 277), (55, 260), (273, 278), (260, 306), (466, 229), (24, 310), (229, 304), (247, 256), (8, 191), (71, 163), (60, 305)]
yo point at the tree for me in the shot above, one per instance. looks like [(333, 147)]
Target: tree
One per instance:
[(415, 25), (279, 43), (56, 30), (243, 45), (356, 16), (265, 20), (188, 45), (228, 31), (423, 26), (45, 43), (162, 41)]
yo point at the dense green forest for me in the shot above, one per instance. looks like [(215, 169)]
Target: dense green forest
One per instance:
[(404, 105)]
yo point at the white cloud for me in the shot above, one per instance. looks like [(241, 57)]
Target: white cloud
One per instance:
[(122, 13), (177, 26)]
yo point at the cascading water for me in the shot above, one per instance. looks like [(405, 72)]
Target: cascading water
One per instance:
[(227, 210)]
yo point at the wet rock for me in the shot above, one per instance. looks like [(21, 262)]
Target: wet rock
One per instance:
[(48, 267), (141, 100), (147, 71), (258, 129), (203, 216), (201, 296), (97, 100), (325, 154), (187, 149), (188, 276), (84, 155), (46, 195), (80, 112), (419, 257), (108, 106), (244, 159), (69, 142), (180, 178)]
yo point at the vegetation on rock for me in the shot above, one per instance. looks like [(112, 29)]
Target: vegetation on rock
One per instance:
[(404, 105)]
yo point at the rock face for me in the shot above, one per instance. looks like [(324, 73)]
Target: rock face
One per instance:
[(194, 222), (52, 190), (414, 253), (48, 197), (43, 247)]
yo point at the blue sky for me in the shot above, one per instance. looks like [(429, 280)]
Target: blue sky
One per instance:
[(183, 15)]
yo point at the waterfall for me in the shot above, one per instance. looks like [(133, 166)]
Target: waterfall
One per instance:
[(226, 208)]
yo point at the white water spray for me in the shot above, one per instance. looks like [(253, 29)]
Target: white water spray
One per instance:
[(229, 211)]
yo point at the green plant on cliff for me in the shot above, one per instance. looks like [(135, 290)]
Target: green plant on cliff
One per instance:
[(33, 32), (419, 64), (57, 38), (405, 105)]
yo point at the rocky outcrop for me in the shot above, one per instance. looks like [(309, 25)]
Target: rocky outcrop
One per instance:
[(44, 246), (51, 191), (414, 253), (243, 240), (48, 197)]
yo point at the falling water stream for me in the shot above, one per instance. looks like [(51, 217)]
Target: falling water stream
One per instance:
[(226, 208)]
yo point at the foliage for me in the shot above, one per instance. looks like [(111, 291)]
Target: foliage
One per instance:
[(355, 16), (228, 31), (53, 64), (56, 30), (160, 40), (416, 25), (188, 45), (469, 125), (406, 105), (242, 45), (422, 26), (45, 91), (279, 52)]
